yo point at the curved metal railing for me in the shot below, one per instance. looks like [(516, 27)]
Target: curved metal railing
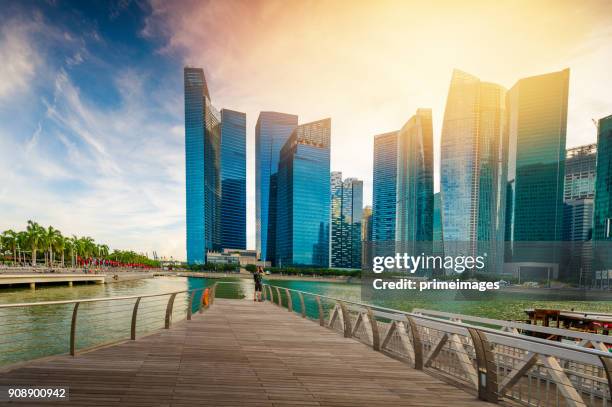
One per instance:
[(496, 364), (37, 329)]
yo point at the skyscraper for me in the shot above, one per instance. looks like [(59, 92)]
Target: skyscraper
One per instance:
[(346, 207), (414, 208), (537, 121), (473, 169), (202, 166), (384, 191), (233, 179), (271, 132), (602, 215), (366, 236), (303, 197)]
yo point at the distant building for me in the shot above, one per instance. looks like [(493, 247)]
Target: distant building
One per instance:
[(414, 208), (473, 169), (233, 179), (303, 197), (246, 257), (272, 131), (579, 180), (366, 237), (346, 216), (202, 168), (537, 122), (384, 197)]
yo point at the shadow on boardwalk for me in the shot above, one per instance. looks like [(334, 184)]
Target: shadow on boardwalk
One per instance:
[(240, 353)]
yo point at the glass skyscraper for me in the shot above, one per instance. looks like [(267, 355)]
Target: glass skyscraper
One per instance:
[(473, 169), (346, 216), (537, 121), (384, 194), (602, 216), (271, 132), (414, 209), (303, 197), (202, 167), (233, 179)]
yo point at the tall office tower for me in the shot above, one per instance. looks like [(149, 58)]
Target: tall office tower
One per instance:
[(438, 235), (473, 169), (414, 208), (233, 179), (303, 197), (579, 190), (384, 197), (346, 207), (271, 132), (580, 172), (202, 167), (366, 236), (537, 121), (602, 215)]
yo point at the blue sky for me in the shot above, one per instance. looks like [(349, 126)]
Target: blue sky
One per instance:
[(91, 133), (91, 93)]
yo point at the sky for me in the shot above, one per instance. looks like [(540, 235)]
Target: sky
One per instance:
[(91, 93)]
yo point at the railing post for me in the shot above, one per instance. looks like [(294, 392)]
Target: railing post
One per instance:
[(348, 331), (375, 332), (289, 301), (280, 300), (270, 295), (134, 316), (75, 310), (264, 290), (302, 304), (417, 345), (487, 374), (169, 311), (320, 307), (607, 364), (190, 305), (213, 293)]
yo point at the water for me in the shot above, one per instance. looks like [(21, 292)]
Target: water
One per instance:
[(503, 306), (32, 332)]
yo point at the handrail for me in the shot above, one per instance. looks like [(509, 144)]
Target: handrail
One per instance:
[(499, 364), (129, 297), (375, 308)]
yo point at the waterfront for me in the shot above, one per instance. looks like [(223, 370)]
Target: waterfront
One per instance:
[(33, 332)]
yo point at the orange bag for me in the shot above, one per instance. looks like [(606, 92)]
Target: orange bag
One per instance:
[(205, 297)]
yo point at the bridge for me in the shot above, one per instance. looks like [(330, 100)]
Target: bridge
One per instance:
[(299, 348), (32, 279)]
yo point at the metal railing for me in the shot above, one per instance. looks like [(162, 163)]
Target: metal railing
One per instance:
[(495, 364), (32, 330)]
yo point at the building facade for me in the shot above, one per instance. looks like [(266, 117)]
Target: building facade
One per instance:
[(233, 179), (384, 193), (579, 180), (602, 216), (537, 122), (473, 169), (346, 217), (414, 207), (202, 168), (303, 197), (272, 131)]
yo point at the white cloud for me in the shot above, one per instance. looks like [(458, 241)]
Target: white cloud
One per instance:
[(19, 59)]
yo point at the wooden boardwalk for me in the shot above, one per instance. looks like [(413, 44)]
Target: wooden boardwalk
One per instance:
[(239, 353)]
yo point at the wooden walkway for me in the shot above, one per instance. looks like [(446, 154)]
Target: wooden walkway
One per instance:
[(239, 353)]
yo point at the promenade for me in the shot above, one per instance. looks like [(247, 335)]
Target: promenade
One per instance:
[(239, 353)]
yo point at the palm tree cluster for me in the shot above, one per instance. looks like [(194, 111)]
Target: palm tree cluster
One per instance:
[(56, 249)]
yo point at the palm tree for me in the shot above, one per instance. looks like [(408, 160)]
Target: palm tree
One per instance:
[(22, 243), (59, 245), (35, 238), (9, 240)]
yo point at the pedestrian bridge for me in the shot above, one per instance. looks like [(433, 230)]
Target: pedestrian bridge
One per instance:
[(304, 349)]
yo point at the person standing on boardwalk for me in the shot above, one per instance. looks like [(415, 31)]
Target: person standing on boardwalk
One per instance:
[(258, 277)]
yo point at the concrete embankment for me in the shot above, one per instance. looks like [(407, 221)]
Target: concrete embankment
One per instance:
[(33, 276)]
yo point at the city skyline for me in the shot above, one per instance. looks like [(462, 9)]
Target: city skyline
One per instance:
[(123, 132)]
